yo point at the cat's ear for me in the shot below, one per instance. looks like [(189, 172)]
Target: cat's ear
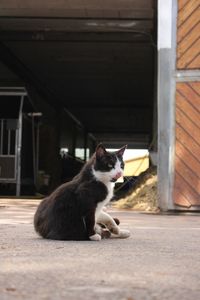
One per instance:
[(100, 150), (120, 152)]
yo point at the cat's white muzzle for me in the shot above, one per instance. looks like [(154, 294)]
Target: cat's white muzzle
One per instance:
[(117, 176)]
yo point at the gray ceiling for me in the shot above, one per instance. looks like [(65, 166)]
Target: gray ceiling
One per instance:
[(95, 58)]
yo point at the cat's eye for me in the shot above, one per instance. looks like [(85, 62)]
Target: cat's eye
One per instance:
[(110, 165)]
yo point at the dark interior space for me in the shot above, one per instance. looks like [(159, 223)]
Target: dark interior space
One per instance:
[(88, 63)]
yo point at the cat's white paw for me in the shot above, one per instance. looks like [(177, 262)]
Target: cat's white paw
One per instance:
[(95, 237), (114, 229), (124, 233), (98, 229)]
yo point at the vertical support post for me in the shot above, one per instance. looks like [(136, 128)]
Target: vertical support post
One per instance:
[(9, 132), (85, 145), (19, 146), (37, 149), (167, 11), (2, 128), (74, 140), (34, 149)]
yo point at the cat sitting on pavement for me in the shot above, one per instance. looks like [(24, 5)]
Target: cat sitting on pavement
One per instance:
[(74, 210)]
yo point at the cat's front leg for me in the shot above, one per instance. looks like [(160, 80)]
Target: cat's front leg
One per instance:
[(90, 225), (108, 221)]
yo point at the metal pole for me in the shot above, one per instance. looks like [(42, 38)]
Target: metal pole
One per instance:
[(9, 131), (19, 147), (1, 149), (33, 141), (85, 145), (37, 149)]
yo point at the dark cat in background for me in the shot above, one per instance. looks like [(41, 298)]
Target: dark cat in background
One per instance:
[(73, 210)]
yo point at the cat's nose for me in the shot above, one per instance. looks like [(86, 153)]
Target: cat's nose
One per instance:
[(118, 175)]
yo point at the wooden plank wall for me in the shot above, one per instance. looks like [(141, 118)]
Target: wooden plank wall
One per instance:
[(187, 147), (188, 35), (187, 155)]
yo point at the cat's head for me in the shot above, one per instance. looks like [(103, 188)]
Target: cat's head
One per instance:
[(108, 166)]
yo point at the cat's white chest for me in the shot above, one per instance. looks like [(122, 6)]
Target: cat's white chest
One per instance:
[(100, 205)]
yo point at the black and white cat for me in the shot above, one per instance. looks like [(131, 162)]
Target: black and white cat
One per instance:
[(73, 210)]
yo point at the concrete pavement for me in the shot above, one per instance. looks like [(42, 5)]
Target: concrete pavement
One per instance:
[(161, 259)]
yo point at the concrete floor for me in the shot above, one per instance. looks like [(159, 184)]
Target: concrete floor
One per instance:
[(161, 259)]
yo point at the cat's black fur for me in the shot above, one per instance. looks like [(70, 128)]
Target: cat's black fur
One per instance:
[(69, 212)]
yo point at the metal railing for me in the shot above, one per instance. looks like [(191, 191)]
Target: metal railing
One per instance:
[(11, 141)]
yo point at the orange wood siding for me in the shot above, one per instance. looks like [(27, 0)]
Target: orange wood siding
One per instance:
[(187, 149), (188, 34)]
